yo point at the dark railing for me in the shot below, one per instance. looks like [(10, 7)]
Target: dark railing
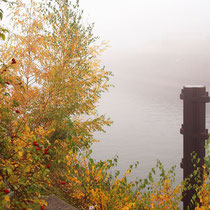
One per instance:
[(194, 134)]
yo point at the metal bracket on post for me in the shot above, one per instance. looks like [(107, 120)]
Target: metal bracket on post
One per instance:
[(194, 134)]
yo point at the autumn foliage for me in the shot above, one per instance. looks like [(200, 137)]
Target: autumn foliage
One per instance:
[(51, 81)]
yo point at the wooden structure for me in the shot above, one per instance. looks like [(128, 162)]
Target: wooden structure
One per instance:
[(194, 134)]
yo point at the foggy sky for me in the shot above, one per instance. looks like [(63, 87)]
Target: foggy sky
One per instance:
[(149, 24)]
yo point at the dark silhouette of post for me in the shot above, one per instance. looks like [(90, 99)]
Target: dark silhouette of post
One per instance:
[(194, 134)]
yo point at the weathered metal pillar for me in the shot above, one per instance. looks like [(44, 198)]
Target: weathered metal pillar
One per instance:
[(194, 134)]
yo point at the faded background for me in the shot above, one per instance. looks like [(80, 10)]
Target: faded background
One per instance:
[(157, 46)]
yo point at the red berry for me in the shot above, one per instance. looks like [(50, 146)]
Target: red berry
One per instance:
[(62, 182), (23, 159), (24, 208), (7, 83), (13, 61), (42, 208), (37, 148), (48, 166), (6, 191), (17, 111), (35, 143), (45, 152)]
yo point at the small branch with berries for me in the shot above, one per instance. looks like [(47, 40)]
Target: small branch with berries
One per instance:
[(6, 67)]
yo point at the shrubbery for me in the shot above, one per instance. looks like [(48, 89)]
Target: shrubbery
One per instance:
[(50, 83)]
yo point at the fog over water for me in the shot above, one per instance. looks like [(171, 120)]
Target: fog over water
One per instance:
[(157, 47), (146, 109)]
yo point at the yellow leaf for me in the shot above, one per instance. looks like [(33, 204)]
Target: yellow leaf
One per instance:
[(27, 129), (6, 198), (28, 169), (20, 153)]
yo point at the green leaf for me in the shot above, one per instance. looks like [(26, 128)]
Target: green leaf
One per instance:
[(9, 170), (15, 103), (2, 36), (4, 30)]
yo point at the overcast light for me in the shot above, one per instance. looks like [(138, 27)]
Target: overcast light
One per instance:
[(142, 23)]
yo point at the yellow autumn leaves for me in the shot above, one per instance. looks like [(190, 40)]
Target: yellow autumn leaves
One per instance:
[(48, 116)]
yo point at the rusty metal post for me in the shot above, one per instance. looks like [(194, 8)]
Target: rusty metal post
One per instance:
[(194, 134)]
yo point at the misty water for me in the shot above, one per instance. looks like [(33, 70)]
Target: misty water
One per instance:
[(146, 108)]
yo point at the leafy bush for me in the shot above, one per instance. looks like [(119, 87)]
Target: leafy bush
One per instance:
[(51, 81)]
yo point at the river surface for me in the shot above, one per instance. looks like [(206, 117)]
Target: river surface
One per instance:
[(146, 109)]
